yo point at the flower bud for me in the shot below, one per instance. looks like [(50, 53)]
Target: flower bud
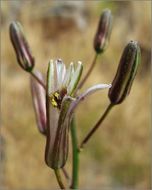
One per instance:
[(21, 47), (39, 102), (103, 32), (126, 72)]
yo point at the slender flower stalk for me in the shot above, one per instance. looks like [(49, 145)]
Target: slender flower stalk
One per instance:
[(89, 71), (95, 127), (75, 148), (75, 154)]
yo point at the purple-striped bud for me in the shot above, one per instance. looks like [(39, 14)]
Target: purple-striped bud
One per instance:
[(21, 47), (39, 102), (103, 32), (126, 73)]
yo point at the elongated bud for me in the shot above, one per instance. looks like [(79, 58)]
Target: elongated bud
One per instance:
[(126, 72), (21, 47), (39, 103), (103, 32)]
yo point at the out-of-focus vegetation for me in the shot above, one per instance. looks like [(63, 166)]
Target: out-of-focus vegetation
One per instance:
[(119, 154)]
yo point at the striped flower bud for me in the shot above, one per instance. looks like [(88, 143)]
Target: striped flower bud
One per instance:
[(21, 47), (39, 102), (103, 32), (125, 74)]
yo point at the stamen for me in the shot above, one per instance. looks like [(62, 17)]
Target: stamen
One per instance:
[(54, 103), (57, 97), (56, 94)]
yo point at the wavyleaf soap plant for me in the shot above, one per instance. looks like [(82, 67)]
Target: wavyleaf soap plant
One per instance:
[(56, 101)]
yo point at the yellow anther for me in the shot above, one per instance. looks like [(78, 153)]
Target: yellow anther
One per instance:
[(54, 103), (56, 94), (55, 99)]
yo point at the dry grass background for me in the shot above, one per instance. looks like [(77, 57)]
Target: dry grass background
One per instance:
[(119, 153)]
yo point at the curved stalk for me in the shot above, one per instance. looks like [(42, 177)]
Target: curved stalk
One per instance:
[(96, 126), (88, 72)]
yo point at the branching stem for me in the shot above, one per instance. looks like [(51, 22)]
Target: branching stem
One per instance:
[(96, 126), (88, 72)]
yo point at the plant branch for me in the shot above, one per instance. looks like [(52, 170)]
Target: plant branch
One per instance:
[(88, 72), (96, 126)]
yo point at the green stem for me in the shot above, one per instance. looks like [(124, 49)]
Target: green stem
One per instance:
[(58, 177), (96, 126), (88, 72), (75, 167)]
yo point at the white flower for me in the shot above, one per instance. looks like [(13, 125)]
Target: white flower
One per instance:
[(61, 101)]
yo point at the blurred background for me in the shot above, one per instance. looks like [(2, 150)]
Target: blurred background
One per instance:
[(118, 156)]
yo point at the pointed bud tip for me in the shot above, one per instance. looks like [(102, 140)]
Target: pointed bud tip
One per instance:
[(21, 46), (51, 61), (103, 32), (59, 61)]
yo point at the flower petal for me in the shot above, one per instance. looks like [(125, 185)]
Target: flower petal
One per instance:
[(51, 78), (88, 92), (68, 75), (52, 125), (39, 102), (57, 141), (61, 71), (75, 78)]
